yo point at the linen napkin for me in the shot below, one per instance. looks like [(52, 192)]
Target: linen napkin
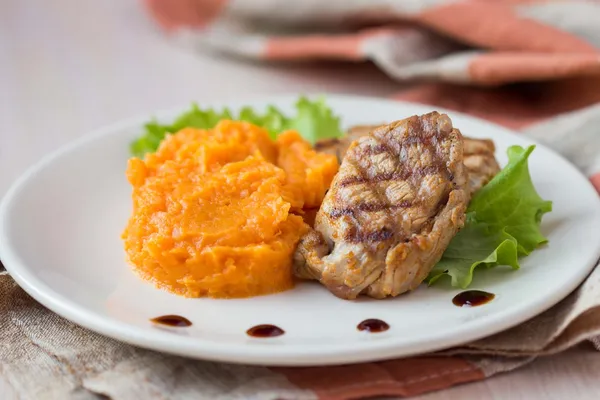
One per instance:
[(514, 62), (545, 57)]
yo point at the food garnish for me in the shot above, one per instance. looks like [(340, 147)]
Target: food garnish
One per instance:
[(503, 224), (314, 120)]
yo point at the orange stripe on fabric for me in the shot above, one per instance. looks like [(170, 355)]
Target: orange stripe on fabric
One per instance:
[(496, 68), (404, 377), (514, 106), (514, 1), (297, 48), (495, 25), (341, 47), (173, 14), (596, 181)]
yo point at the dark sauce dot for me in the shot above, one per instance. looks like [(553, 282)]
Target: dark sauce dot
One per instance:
[(373, 325), (172, 320), (472, 298), (264, 331)]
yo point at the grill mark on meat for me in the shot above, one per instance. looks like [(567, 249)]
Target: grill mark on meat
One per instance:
[(357, 235), (438, 165), (398, 165), (381, 147), (429, 170), (383, 198), (416, 139), (336, 213), (360, 236), (355, 180), (373, 150), (368, 207), (436, 168), (360, 174), (402, 172), (430, 143), (385, 146)]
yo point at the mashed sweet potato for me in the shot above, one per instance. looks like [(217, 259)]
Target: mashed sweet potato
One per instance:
[(212, 209), (309, 173)]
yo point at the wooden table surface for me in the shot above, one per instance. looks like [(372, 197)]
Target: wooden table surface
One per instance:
[(70, 66)]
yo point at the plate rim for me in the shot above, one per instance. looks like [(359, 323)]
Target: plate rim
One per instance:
[(224, 352)]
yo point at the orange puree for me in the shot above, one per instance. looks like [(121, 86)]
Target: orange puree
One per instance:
[(309, 173), (212, 209)]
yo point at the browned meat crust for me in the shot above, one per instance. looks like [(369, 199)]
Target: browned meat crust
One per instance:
[(479, 156), (398, 199), (480, 162)]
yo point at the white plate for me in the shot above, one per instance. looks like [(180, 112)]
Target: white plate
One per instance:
[(59, 238)]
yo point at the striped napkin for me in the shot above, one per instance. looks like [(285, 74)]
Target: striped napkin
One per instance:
[(514, 62), (529, 65)]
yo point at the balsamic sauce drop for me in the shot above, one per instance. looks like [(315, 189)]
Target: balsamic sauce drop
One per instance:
[(264, 331), (373, 325), (172, 320), (472, 298)]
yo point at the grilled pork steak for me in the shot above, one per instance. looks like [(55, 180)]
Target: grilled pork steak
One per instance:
[(480, 162), (398, 199), (479, 156)]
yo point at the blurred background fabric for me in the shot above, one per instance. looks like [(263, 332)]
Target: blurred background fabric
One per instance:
[(458, 50), (513, 62)]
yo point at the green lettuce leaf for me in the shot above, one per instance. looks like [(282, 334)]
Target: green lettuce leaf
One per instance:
[(503, 224), (314, 120)]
